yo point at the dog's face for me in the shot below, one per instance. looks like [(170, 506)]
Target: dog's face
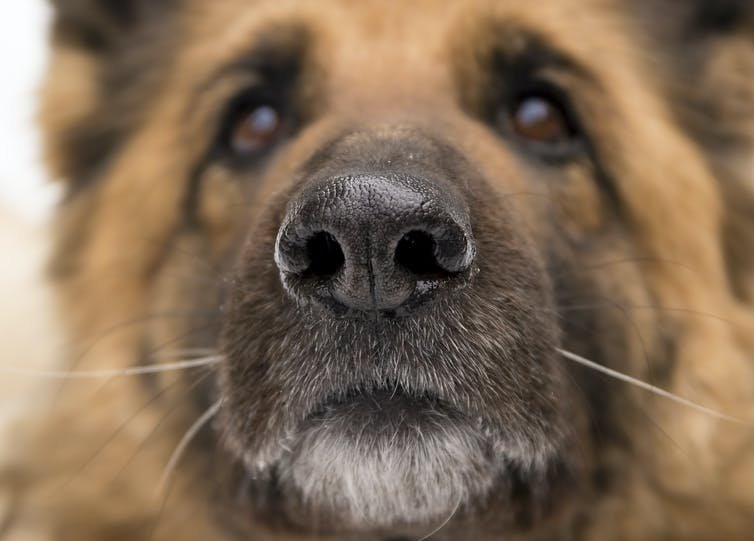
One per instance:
[(388, 219)]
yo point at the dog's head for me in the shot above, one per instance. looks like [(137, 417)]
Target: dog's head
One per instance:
[(388, 219)]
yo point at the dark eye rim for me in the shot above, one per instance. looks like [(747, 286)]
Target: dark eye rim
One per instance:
[(572, 147), (245, 102)]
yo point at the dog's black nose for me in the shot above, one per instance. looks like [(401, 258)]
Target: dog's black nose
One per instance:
[(374, 243)]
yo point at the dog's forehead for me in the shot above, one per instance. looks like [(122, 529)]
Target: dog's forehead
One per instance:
[(378, 38), (384, 16)]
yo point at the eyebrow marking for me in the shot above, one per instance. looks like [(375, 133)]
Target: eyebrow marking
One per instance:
[(276, 56), (524, 50)]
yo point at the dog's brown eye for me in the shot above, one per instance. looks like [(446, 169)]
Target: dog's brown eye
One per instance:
[(254, 129), (540, 119)]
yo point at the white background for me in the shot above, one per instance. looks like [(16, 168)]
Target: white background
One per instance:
[(23, 50), (27, 314)]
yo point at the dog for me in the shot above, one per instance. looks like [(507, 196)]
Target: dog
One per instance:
[(385, 270)]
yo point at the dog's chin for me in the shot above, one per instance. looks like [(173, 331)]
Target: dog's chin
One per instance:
[(383, 461)]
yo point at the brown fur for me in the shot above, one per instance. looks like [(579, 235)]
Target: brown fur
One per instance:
[(653, 242)]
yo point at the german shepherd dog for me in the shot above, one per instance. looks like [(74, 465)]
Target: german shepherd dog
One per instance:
[(380, 270)]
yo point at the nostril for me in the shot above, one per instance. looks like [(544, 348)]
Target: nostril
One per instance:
[(416, 253), (325, 255), (374, 244)]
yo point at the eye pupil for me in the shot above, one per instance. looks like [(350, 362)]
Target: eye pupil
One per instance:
[(534, 111), (539, 119), (255, 129), (263, 119)]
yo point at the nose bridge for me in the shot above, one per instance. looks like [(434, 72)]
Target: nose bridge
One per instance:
[(389, 110), (397, 149), (390, 78)]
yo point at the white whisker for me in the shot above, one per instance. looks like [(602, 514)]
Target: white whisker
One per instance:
[(651, 388), (123, 372), (183, 353), (185, 440), (444, 523)]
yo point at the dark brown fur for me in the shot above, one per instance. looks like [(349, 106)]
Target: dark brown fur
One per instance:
[(634, 252)]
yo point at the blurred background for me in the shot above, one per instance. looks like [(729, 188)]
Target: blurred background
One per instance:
[(28, 334), (23, 51)]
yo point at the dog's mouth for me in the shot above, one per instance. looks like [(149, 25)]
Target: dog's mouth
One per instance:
[(391, 407), (353, 433), (388, 414), (383, 458), (380, 426)]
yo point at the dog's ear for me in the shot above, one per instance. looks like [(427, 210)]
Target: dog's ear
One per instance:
[(102, 25)]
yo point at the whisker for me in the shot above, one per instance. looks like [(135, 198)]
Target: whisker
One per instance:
[(183, 353), (444, 523), (651, 388), (185, 441), (78, 359), (155, 428), (114, 373), (128, 324), (101, 448)]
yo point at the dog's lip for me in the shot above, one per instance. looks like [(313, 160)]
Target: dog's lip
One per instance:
[(388, 403)]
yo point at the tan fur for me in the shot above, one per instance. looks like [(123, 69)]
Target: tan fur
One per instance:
[(692, 475)]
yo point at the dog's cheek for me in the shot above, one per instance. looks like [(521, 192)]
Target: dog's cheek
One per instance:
[(222, 205)]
